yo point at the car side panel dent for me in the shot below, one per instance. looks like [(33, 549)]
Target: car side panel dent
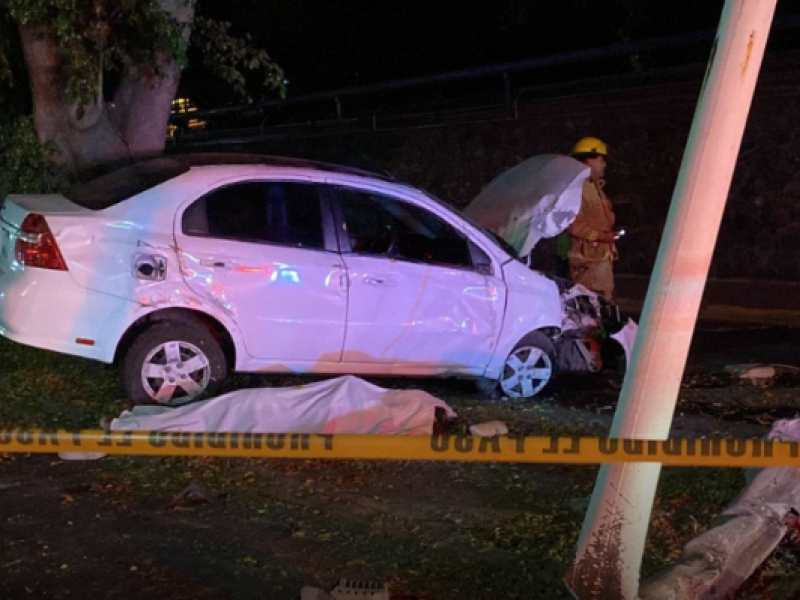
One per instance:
[(532, 303)]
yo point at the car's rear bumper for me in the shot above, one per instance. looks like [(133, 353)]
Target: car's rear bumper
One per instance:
[(46, 309)]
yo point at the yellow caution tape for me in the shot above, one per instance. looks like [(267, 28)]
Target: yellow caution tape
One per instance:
[(446, 447)]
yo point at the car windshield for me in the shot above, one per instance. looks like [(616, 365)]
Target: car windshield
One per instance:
[(504, 245)]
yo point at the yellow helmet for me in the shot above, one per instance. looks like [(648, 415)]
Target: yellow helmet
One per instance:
[(590, 145)]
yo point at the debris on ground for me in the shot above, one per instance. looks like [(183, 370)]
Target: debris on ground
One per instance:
[(721, 559), (193, 494), (756, 374), (489, 429), (347, 589), (81, 455)]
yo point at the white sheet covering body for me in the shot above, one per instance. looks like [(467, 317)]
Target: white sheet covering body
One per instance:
[(539, 198), (341, 405)]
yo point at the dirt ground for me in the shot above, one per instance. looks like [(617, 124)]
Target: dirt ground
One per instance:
[(200, 529)]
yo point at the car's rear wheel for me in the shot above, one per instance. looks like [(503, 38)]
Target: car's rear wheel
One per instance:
[(171, 363), (527, 370)]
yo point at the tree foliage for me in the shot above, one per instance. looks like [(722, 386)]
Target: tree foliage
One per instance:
[(25, 164), (97, 46), (5, 65), (96, 37), (100, 36), (228, 57)]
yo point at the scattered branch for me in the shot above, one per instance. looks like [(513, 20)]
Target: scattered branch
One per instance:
[(227, 56)]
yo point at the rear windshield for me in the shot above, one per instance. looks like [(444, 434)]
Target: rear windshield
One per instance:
[(113, 188)]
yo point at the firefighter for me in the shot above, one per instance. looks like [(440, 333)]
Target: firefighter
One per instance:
[(592, 237)]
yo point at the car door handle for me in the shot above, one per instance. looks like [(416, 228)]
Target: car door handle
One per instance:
[(369, 280), (214, 262)]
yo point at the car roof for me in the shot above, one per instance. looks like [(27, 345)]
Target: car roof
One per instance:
[(207, 159), (113, 187)]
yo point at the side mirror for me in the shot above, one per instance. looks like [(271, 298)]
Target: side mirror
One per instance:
[(484, 269)]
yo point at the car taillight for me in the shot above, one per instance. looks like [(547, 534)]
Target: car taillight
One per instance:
[(36, 245)]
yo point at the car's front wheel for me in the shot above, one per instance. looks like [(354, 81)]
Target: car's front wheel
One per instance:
[(527, 370), (171, 363)]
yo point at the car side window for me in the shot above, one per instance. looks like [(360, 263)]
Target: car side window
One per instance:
[(385, 226), (279, 212)]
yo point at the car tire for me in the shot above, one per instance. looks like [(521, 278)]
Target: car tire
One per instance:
[(527, 371), (172, 363)]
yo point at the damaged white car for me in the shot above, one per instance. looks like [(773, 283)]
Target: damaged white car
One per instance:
[(180, 269), (539, 198)]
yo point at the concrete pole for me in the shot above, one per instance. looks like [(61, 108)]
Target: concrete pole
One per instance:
[(611, 545)]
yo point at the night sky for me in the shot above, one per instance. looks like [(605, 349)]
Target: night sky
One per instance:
[(328, 44)]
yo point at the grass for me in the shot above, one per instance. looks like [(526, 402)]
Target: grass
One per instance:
[(44, 389), (488, 531)]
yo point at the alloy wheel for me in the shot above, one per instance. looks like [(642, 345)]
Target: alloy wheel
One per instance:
[(175, 372), (526, 371)]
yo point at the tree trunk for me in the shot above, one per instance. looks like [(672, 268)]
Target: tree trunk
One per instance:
[(133, 124)]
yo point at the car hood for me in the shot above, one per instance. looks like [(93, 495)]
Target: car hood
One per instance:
[(538, 198)]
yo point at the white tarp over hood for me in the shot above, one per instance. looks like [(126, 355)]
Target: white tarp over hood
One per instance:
[(342, 405), (538, 198)]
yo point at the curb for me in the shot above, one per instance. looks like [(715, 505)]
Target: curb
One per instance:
[(775, 303), (724, 313)]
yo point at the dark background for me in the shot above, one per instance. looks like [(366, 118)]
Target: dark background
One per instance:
[(331, 44)]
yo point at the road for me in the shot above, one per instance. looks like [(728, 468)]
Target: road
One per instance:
[(716, 345)]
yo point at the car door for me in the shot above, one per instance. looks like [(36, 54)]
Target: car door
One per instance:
[(420, 299), (259, 251)]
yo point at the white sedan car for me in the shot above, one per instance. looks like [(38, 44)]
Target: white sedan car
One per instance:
[(179, 269)]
